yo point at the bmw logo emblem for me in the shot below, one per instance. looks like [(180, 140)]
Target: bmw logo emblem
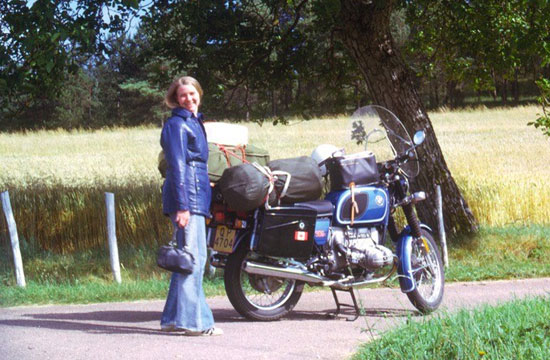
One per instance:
[(379, 200)]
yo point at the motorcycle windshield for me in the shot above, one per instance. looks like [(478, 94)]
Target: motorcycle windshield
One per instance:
[(382, 133)]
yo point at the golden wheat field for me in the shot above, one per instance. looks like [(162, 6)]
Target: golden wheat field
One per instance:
[(501, 164)]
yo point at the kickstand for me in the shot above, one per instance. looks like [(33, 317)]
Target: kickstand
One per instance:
[(339, 304)]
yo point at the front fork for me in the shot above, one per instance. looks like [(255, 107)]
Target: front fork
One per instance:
[(405, 241)]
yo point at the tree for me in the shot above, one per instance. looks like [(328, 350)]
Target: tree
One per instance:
[(365, 30), (486, 43), (260, 43), (43, 43), (123, 85), (255, 57), (246, 51), (257, 41)]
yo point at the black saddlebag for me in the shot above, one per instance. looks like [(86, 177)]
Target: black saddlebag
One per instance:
[(243, 187), (360, 169), (305, 180), (286, 232)]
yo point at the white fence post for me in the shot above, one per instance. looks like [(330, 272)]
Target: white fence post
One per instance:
[(442, 238), (12, 228), (111, 234)]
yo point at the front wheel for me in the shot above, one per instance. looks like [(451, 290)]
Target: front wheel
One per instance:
[(258, 297), (428, 275)]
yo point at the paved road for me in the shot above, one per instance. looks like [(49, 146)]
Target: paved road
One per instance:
[(130, 330)]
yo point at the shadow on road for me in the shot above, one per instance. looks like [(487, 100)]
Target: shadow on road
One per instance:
[(107, 316), (139, 322), (80, 326), (147, 322)]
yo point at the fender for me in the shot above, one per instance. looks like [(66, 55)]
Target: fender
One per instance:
[(404, 250), (241, 238)]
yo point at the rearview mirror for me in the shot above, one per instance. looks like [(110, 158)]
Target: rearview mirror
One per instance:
[(419, 137)]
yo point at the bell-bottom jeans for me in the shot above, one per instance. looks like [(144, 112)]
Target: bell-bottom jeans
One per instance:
[(186, 306)]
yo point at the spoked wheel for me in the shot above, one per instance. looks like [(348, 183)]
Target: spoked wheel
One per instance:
[(427, 270), (259, 297)]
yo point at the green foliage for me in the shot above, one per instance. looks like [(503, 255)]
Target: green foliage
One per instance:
[(543, 121), (516, 330), (70, 62), (482, 43), (45, 42), (256, 58), (124, 84), (75, 103)]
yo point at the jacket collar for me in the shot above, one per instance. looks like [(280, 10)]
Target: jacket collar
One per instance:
[(184, 113)]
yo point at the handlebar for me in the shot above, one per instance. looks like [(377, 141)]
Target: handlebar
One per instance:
[(391, 167)]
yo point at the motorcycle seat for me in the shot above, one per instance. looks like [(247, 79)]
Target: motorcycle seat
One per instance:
[(323, 207)]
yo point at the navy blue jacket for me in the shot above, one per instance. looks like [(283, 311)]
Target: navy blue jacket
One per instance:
[(187, 186)]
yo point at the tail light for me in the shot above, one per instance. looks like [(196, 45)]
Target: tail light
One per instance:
[(219, 217)]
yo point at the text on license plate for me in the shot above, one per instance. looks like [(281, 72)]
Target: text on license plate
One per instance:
[(224, 239)]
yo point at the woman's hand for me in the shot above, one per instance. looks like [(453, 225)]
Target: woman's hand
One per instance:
[(182, 218)]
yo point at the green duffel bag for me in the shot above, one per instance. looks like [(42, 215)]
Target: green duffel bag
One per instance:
[(220, 157), (258, 155)]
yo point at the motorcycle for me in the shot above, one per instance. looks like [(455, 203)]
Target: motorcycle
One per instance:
[(339, 242)]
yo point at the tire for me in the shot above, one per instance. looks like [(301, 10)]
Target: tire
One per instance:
[(427, 269), (258, 297)]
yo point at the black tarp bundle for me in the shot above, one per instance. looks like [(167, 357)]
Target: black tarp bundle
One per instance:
[(286, 181), (305, 180), (244, 187)]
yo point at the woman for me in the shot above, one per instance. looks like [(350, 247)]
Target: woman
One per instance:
[(186, 199)]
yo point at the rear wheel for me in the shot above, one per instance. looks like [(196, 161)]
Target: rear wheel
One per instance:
[(428, 275), (258, 297)]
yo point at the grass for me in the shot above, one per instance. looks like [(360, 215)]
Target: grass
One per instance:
[(84, 276), (65, 218), (87, 292), (56, 181), (516, 330), (500, 253), (499, 162)]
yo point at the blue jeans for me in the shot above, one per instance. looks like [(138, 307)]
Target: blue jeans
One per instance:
[(186, 306)]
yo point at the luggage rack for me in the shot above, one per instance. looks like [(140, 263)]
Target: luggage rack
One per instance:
[(340, 305)]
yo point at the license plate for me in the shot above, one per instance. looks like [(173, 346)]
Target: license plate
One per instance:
[(224, 239)]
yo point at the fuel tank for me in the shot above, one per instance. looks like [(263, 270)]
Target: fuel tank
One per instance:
[(372, 205)]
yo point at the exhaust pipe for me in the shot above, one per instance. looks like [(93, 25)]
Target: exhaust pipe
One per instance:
[(309, 277), (286, 273)]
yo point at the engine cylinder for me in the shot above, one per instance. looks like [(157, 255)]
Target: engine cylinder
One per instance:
[(359, 247)]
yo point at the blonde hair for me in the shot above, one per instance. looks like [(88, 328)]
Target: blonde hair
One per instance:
[(171, 95)]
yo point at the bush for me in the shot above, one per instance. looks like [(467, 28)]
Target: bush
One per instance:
[(543, 122)]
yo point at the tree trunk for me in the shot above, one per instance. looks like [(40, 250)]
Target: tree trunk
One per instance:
[(434, 101), (515, 86), (504, 93), (365, 32), (494, 92), (451, 94)]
